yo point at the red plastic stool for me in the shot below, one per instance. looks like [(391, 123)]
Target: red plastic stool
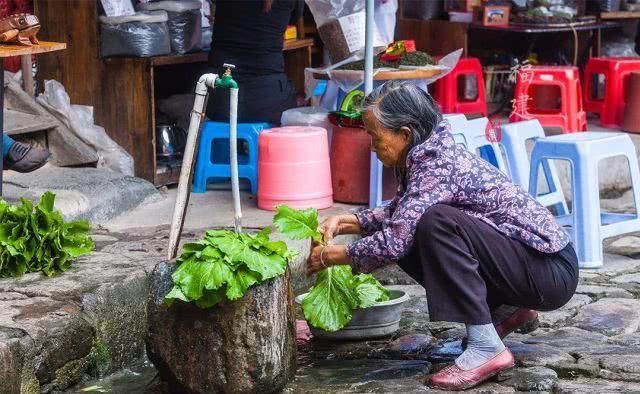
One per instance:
[(534, 86), (616, 72), (448, 89)]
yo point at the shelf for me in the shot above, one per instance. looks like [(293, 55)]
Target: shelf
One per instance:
[(198, 57), (202, 57), (290, 45), (7, 50), (619, 15), (543, 28)]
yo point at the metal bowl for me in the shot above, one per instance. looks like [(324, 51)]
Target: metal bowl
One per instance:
[(378, 321)]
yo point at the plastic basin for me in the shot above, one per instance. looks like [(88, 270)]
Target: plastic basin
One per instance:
[(378, 321)]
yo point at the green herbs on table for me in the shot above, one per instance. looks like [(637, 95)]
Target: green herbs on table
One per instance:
[(415, 59), (224, 264), (337, 291), (37, 238)]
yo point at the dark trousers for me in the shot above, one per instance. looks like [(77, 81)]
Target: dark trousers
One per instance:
[(468, 269), (260, 99)]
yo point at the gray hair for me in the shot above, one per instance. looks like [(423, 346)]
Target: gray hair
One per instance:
[(400, 103)]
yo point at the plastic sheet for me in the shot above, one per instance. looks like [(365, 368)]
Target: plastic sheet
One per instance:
[(620, 47), (308, 116), (141, 35), (341, 27), (184, 23), (79, 119), (348, 80)]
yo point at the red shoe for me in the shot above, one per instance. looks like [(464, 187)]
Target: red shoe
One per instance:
[(452, 378), (522, 318)]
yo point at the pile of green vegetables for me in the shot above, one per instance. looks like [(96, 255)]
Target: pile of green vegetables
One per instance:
[(416, 59), (37, 239), (337, 292), (224, 264)]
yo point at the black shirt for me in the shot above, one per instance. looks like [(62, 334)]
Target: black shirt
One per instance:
[(246, 35)]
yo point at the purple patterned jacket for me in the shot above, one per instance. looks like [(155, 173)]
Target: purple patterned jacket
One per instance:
[(442, 172)]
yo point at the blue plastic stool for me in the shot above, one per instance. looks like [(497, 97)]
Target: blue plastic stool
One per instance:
[(472, 135), (514, 142), (213, 154), (589, 226)]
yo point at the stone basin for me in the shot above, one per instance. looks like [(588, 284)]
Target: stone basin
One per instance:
[(378, 321)]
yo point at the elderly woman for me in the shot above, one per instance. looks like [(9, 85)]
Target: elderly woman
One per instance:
[(458, 226)]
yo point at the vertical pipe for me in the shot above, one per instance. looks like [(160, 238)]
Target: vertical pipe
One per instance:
[(375, 171), (233, 155), (186, 173), (1, 117)]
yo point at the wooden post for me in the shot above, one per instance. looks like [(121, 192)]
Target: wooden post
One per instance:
[(27, 74)]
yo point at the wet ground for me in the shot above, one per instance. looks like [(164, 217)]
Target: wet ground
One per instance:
[(592, 344)]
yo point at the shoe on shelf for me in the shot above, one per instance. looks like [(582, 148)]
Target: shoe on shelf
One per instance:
[(25, 158), (453, 378)]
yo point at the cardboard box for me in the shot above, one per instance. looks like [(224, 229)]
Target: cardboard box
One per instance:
[(492, 15)]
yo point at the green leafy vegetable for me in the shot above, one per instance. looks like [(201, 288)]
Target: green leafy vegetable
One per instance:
[(297, 224), (329, 304), (224, 264), (37, 239), (337, 292)]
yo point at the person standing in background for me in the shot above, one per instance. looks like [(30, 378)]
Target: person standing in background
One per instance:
[(250, 35)]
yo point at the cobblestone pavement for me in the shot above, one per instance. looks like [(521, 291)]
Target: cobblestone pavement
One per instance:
[(592, 344), (55, 332)]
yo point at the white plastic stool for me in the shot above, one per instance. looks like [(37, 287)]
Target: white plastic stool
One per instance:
[(584, 151), (514, 137), (473, 136)]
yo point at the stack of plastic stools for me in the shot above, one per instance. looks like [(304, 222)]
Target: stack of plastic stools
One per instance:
[(294, 168), (514, 137), (616, 71), (213, 154), (446, 89), (588, 224), (571, 116)]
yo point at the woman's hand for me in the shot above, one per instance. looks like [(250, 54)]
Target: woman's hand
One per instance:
[(325, 256), (337, 225)]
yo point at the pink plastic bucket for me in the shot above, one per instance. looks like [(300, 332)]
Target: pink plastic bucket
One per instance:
[(293, 168)]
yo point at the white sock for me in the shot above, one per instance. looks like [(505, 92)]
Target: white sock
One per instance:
[(483, 343)]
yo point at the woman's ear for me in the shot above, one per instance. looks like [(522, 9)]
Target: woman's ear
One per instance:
[(406, 132)]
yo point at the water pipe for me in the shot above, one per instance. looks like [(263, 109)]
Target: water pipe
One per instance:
[(227, 82), (206, 82)]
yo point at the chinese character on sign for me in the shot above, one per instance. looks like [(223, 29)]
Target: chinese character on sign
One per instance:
[(519, 106)]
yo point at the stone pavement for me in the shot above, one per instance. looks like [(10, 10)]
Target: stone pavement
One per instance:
[(592, 344), (91, 321)]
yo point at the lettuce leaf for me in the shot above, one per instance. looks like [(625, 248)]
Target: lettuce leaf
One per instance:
[(337, 292), (297, 224), (330, 302), (223, 265)]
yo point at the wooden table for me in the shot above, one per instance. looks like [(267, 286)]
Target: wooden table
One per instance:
[(440, 36), (19, 50)]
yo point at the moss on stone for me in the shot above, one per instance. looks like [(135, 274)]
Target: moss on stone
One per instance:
[(100, 358), (29, 383), (71, 373)]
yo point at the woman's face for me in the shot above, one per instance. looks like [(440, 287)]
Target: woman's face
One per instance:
[(390, 146)]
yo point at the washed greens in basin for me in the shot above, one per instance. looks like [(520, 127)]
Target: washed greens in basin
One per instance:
[(337, 291)]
